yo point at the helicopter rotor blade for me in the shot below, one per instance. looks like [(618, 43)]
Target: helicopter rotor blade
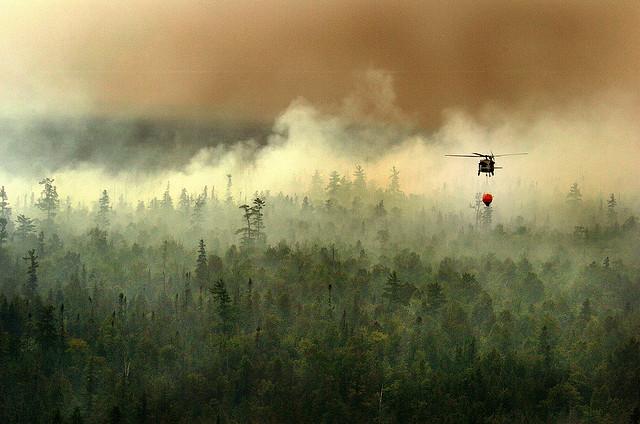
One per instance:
[(463, 156), (510, 154)]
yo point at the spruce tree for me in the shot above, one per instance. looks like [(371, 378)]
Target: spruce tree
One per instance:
[(223, 304), (257, 219), (32, 273), (49, 201), (104, 210), (3, 231), (26, 227), (184, 203), (246, 232), (333, 187), (359, 181), (202, 268), (4, 205), (197, 215), (394, 182), (167, 201), (316, 192)]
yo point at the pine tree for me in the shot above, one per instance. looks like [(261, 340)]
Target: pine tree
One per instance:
[(197, 215), (3, 231), (5, 211), (184, 203), (246, 232), (394, 182), (49, 201), (202, 268), (26, 227), (32, 273), (104, 210), (223, 304), (333, 187), (257, 219), (316, 192), (41, 245), (359, 181), (167, 201)]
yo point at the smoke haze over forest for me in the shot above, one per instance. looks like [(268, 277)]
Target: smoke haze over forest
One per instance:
[(241, 211), (129, 97)]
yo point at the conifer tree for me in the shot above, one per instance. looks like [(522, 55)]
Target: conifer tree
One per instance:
[(197, 215), (5, 211), (202, 268), (4, 235), (223, 304), (184, 203), (246, 232), (167, 201), (394, 182), (26, 227), (49, 201), (317, 191), (104, 210), (359, 181), (333, 187), (32, 273), (257, 219)]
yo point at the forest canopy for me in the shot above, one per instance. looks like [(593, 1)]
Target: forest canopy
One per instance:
[(347, 303)]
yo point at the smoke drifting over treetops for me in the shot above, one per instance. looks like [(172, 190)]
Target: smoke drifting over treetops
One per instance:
[(269, 92), (247, 60)]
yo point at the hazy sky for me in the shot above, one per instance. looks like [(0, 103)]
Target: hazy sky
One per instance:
[(280, 88), (249, 59)]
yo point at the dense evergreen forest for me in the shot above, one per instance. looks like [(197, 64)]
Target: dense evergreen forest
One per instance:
[(345, 304)]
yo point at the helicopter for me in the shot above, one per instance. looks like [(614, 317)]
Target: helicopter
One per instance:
[(487, 161)]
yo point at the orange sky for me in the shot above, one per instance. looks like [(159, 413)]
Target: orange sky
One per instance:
[(248, 60)]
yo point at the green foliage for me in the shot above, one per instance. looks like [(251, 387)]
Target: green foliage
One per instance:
[(202, 268), (4, 235), (49, 201), (341, 314), (31, 284), (104, 210), (26, 227)]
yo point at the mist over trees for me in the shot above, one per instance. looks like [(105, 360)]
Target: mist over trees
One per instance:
[(346, 302)]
